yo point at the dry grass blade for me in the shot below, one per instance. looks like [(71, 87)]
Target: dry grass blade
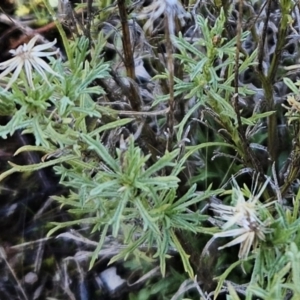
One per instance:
[(20, 288)]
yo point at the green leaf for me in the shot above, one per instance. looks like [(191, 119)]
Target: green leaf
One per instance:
[(31, 148), (130, 248), (59, 226), (148, 221), (118, 217), (161, 182), (232, 292), (184, 257), (252, 120), (108, 185), (198, 68), (111, 125), (183, 202), (182, 124), (39, 134), (35, 167), (223, 277), (63, 105), (101, 151), (162, 250), (99, 246), (291, 85), (165, 161)]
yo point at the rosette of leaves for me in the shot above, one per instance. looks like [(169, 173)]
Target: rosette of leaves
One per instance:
[(134, 202)]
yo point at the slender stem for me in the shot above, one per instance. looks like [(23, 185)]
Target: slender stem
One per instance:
[(249, 156), (170, 65), (128, 56), (89, 21), (268, 89), (281, 40), (62, 34)]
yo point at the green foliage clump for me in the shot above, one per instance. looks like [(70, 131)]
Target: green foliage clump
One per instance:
[(152, 198)]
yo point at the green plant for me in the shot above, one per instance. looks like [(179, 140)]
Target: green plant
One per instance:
[(123, 192), (160, 191)]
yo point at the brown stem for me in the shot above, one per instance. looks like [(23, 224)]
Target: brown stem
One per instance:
[(249, 157), (170, 64), (89, 21), (128, 56), (268, 89)]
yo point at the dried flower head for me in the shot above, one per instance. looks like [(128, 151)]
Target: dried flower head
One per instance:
[(293, 108), (167, 8), (294, 103), (28, 56), (248, 228)]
